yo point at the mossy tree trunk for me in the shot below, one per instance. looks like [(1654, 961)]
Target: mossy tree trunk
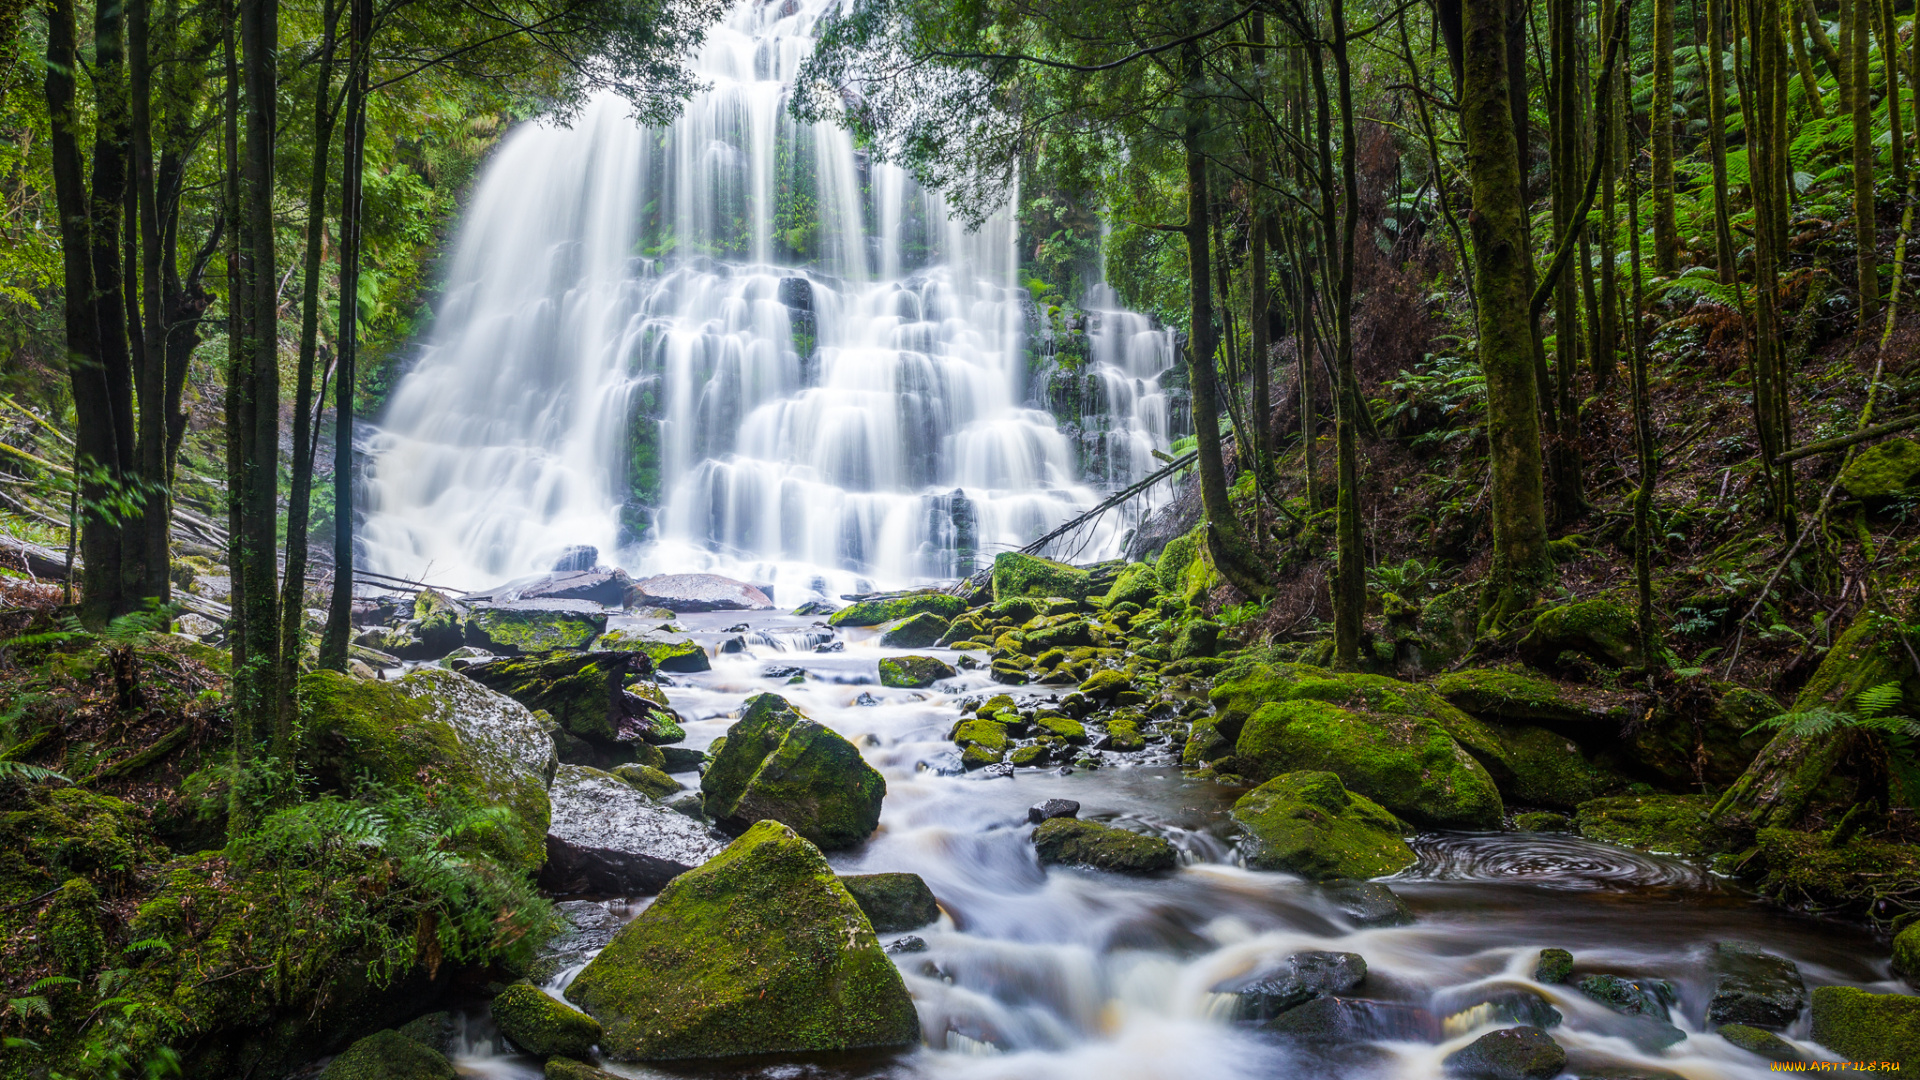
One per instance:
[(1725, 260), (1865, 220), (1797, 45), (1666, 233), (334, 638), (1503, 286), (1569, 489)]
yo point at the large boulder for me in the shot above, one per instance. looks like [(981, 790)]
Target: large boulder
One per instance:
[(915, 632), (762, 950), (1518, 697), (1601, 629), (443, 734), (1015, 574), (607, 837), (543, 1026), (778, 764), (670, 652), (1859, 1026), (595, 585), (604, 698), (1516, 1053), (1071, 842), (529, 626), (1882, 472), (389, 1055), (1309, 824), (585, 928), (914, 672), (1664, 824), (893, 902), (1299, 979), (885, 609), (1754, 987), (699, 592)]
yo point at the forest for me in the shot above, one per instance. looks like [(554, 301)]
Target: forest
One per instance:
[(1005, 538)]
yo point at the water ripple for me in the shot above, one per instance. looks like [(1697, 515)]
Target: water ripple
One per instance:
[(1549, 861)]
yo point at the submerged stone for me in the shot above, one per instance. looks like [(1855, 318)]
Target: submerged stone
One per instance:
[(1308, 823), (778, 764), (542, 1026), (893, 902), (565, 1068), (1367, 903), (1754, 988), (762, 950), (1072, 842)]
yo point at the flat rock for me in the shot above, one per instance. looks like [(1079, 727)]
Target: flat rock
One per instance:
[(1753, 987), (700, 592), (1072, 842), (1517, 1053), (606, 837), (607, 588)]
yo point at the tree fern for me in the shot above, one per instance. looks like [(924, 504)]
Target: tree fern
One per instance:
[(20, 770)]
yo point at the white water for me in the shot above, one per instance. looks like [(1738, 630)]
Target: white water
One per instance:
[(611, 280)]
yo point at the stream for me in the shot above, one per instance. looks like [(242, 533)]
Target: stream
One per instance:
[(1071, 973)]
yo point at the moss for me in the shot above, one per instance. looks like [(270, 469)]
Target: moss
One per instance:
[(969, 626), (1881, 472), (1554, 966), (389, 1055), (1030, 755), (526, 630), (1603, 629), (1309, 824), (914, 672), (915, 632), (1015, 574), (1137, 584), (1124, 735), (1860, 1026), (1759, 1041), (1906, 952), (648, 780), (977, 756), (778, 764), (1015, 610), (1537, 767), (1805, 871), (587, 693), (1065, 727), (1197, 638), (760, 950), (991, 734), (1513, 696), (542, 1026), (1445, 630), (1061, 632), (1072, 842), (1670, 824), (58, 832), (893, 902), (1171, 568), (561, 1068), (1542, 821), (891, 608), (667, 653)]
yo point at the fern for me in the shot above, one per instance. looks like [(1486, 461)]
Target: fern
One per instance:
[(30, 1006), (20, 770), (1870, 713)]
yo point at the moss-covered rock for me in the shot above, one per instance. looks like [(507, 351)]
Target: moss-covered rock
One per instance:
[(778, 764), (602, 697), (1759, 1041), (1602, 629), (887, 609), (1065, 727), (1537, 767), (1883, 471), (1309, 824), (1906, 953), (968, 626), (762, 950), (1175, 558), (1524, 698), (543, 1026), (648, 780), (1197, 638), (1859, 1026), (667, 652), (1446, 627), (1015, 574), (534, 626), (893, 902), (1137, 584), (1670, 824), (1807, 871), (915, 632), (389, 1055), (1072, 842), (1554, 966), (914, 672), (980, 731), (1515, 1053), (564, 1068)]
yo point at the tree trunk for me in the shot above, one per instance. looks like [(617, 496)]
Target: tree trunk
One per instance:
[(1723, 249), (1796, 26), (1890, 62), (1666, 233), (151, 566), (1865, 216), (333, 644), (1836, 60), (1502, 283), (1569, 494), (1642, 434)]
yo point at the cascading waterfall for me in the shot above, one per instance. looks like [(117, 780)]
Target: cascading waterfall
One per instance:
[(735, 344)]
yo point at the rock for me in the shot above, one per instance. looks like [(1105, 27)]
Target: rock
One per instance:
[(1335, 1020), (913, 672), (1761, 1042), (886, 609), (1554, 966), (908, 944), (543, 1026), (816, 607), (1519, 698), (648, 780), (699, 592), (1469, 1007), (1198, 637), (1542, 821), (389, 1055), (1309, 824), (602, 697), (1367, 903), (1104, 684), (1906, 953), (564, 1068), (778, 764), (762, 950), (196, 626), (439, 730), (529, 626), (1064, 727), (1667, 824), (1052, 808), (1881, 472), (606, 588), (893, 902), (1754, 988), (1137, 584), (915, 632), (608, 838), (1628, 997), (437, 1031), (1859, 1026), (1301, 978), (679, 759), (1604, 630), (585, 929), (1072, 842), (1517, 1053), (1015, 574)]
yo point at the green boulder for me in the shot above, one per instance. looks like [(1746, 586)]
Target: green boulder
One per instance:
[(1667, 824), (1065, 727), (1197, 638), (914, 672), (528, 627), (602, 697), (1015, 574), (893, 902), (762, 950), (1520, 698), (1883, 471), (1137, 584), (543, 1026), (389, 1055), (777, 764), (915, 632), (648, 780), (668, 652), (1072, 842), (1759, 1041), (1859, 1026), (980, 731), (1906, 953), (1309, 824), (1602, 629), (1104, 684), (1554, 966), (563, 1068), (886, 609)]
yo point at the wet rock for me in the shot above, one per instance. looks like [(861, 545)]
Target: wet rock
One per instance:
[(1072, 842), (778, 764), (915, 632), (789, 672), (565, 1068), (648, 780), (1018, 575), (437, 1031), (602, 697), (1103, 685), (893, 902), (913, 672), (1860, 1026), (1602, 629), (831, 646), (585, 929), (1308, 823), (1052, 808), (1759, 1041), (1301, 978), (699, 592), (542, 1026), (866, 700), (1753, 988), (608, 838), (1554, 966), (1517, 1053), (389, 1055), (607, 588), (1906, 953), (1008, 673), (530, 626), (678, 759), (1629, 997), (1327, 1020), (1471, 1007), (1367, 903), (908, 944), (1667, 824), (577, 557), (1064, 727), (761, 950), (1542, 821), (666, 651), (816, 607), (885, 609)]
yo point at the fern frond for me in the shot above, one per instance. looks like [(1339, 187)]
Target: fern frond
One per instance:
[(20, 770), (1877, 700)]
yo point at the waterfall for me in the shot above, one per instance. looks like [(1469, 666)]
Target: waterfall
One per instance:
[(736, 344)]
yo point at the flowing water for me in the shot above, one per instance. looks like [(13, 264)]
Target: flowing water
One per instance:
[(1039, 972), (737, 344)]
